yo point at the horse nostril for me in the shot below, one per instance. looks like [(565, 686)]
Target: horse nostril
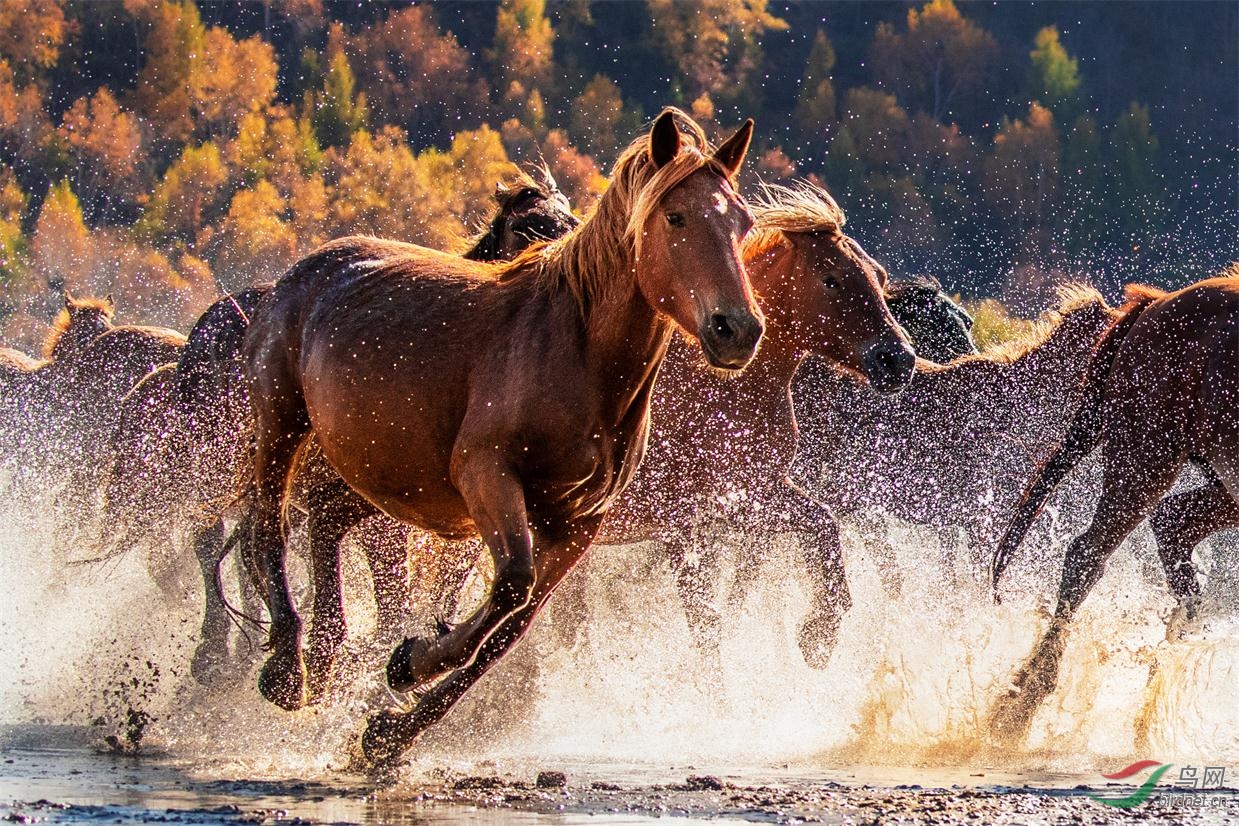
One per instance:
[(722, 326)]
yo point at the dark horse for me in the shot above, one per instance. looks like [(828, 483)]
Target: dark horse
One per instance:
[(939, 328), (1162, 390), (509, 401), (181, 437)]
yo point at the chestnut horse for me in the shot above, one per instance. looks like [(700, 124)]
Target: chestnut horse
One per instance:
[(1162, 390), (952, 451), (181, 436), (23, 378), (722, 447), (509, 401), (731, 439)]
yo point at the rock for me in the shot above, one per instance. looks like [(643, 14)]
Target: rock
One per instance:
[(551, 780)]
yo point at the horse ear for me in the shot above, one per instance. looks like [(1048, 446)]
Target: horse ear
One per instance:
[(108, 300), (500, 190), (664, 140), (731, 153)]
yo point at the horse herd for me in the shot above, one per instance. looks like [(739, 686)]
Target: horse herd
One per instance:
[(505, 399)]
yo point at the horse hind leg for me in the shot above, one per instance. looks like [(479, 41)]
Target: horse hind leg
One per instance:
[(212, 650), (333, 511), (1183, 521), (1135, 478), (281, 423), (387, 554)]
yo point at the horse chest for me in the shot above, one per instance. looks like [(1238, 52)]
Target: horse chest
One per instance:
[(578, 478)]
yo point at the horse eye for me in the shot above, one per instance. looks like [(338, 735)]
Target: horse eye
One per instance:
[(675, 219), (831, 282)]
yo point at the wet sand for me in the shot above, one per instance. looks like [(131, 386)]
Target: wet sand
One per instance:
[(79, 785)]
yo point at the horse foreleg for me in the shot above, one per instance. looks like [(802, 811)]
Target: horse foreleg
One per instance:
[(1134, 480), (821, 553), (212, 650), (496, 503), (696, 579), (1180, 523), (389, 734)]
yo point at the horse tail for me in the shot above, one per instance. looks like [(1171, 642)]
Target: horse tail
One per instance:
[(1084, 433)]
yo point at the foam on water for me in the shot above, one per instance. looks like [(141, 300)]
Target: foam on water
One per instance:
[(923, 656)]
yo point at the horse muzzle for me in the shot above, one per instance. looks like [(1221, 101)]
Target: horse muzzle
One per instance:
[(729, 340), (888, 365)]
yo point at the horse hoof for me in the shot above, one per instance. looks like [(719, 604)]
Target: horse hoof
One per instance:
[(387, 736), (407, 668), (282, 680), (817, 638)]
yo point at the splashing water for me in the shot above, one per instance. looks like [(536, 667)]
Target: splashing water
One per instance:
[(922, 657)]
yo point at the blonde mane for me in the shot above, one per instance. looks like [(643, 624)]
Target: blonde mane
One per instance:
[(63, 321), (587, 260), (800, 207), (1073, 299)]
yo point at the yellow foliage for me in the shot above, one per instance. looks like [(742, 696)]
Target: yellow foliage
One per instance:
[(31, 33), (62, 246), (993, 325), (181, 202), (714, 43), (1022, 171), (255, 242), (524, 42)]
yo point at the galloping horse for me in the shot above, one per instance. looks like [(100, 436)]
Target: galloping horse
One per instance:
[(952, 449), (23, 378), (722, 447), (181, 436), (509, 401), (742, 418), (1162, 390)]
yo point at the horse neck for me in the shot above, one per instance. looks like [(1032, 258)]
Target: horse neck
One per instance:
[(626, 338), (767, 380), (71, 340)]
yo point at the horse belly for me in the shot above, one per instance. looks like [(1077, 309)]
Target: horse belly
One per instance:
[(392, 447)]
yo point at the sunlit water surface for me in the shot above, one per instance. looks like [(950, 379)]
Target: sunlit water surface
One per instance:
[(622, 693)]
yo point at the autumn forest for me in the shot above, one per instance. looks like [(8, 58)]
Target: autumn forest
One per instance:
[(167, 152)]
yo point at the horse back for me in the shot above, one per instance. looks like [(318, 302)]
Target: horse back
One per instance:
[(209, 369)]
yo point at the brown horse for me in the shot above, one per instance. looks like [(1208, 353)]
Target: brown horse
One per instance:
[(722, 446), (731, 439), (510, 401), (181, 436), (952, 450), (81, 402), (1162, 390), (24, 379)]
